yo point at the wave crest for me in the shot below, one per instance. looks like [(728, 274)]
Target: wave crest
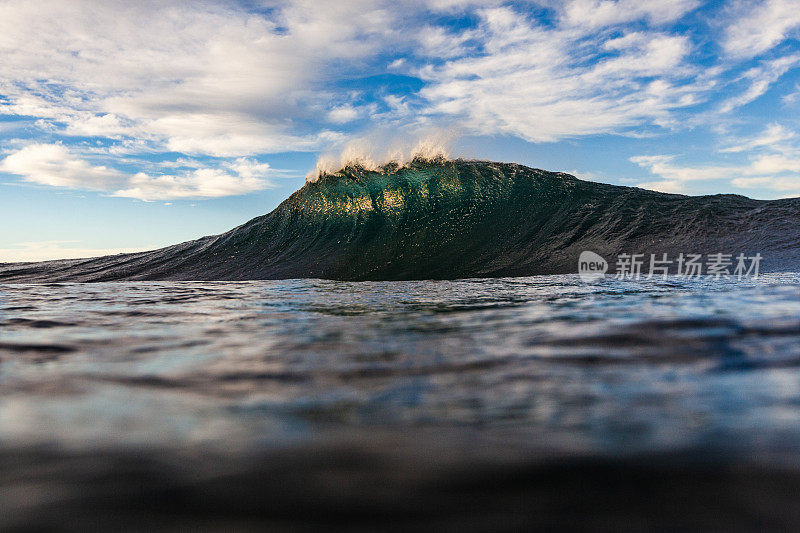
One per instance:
[(370, 155)]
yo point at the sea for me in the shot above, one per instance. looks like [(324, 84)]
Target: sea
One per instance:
[(544, 401)]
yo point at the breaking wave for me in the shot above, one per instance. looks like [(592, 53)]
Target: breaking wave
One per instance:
[(377, 156), (436, 218)]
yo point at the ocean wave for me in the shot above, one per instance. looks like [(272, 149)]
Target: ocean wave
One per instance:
[(448, 219)]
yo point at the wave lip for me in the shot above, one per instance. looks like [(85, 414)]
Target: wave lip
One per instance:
[(447, 219)]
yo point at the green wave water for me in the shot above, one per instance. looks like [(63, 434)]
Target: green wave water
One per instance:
[(450, 219)]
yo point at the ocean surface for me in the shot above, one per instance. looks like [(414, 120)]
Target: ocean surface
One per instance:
[(249, 401)]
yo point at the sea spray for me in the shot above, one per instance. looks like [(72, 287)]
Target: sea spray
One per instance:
[(375, 153)]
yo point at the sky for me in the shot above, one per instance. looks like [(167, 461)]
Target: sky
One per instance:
[(132, 125)]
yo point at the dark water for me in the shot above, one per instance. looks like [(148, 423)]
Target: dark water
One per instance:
[(481, 403)]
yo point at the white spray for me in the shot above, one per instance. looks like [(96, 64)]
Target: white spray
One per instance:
[(374, 153)]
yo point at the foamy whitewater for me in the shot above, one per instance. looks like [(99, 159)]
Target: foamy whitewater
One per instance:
[(377, 154)]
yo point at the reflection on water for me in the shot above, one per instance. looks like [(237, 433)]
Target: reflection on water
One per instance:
[(613, 366), (483, 404)]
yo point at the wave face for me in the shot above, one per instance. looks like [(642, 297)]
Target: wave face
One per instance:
[(453, 219)]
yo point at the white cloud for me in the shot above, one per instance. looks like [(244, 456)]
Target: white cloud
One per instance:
[(47, 250), (438, 42), (345, 113), (200, 77), (232, 80), (216, 79), (772, 163), (778, 184), (669, 186), (663, 166), (759, 80), (599, 13), (773, 135), (54, 165), (760, 25), (242, 177), (775, 163), (543, 83)]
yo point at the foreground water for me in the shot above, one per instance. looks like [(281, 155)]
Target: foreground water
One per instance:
[(504, 368)]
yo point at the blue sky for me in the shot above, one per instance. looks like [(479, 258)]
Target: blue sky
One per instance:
[(133, 125)]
